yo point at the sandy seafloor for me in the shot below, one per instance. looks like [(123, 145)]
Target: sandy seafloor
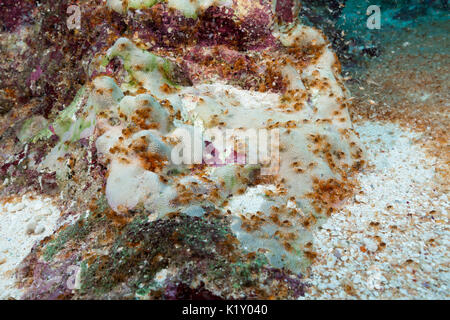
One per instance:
[(391, 240)]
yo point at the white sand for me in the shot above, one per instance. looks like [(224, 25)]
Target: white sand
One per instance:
[(414, 263), (23, 222)]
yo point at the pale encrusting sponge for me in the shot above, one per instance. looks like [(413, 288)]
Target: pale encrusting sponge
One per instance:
[(135, 120), (213, 132)]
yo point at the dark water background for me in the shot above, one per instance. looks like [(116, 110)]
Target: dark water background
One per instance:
[(345, 22)]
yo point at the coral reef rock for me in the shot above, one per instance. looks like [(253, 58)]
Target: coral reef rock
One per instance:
[(156, 74)]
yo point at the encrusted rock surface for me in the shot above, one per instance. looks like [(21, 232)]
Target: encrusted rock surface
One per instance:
[(99, 127)]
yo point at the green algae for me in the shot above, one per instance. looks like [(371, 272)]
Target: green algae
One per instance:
[(76, 232), (60, 125), (64, 120), (141, 4), (138, 62), (32, 129), (144, 248)]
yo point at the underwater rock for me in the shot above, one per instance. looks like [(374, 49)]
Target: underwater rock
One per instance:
[(170, 71)]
